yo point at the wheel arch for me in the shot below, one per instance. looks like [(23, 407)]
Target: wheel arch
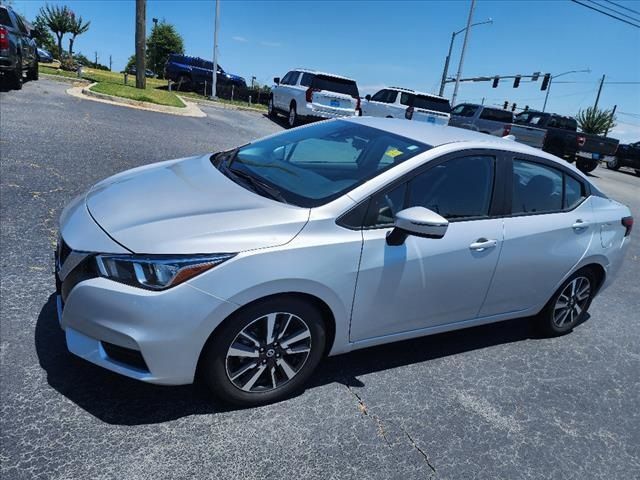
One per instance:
[(321, 305)]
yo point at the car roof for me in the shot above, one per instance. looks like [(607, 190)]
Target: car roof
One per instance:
[(416, 92), (316, 72), (436, 135)]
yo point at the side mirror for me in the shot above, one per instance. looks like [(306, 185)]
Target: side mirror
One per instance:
[(276, 80), (418, 221), (367, 98)]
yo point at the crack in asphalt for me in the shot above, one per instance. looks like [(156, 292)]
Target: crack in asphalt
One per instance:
[(380, 425)]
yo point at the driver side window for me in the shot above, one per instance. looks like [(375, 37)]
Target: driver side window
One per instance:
[(460, 188)]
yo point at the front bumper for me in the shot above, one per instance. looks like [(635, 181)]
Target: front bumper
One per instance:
[(112, 324)]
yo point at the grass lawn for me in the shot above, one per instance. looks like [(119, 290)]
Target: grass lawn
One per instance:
[(161, 97), (239, 103)]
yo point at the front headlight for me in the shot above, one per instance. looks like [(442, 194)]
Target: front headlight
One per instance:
[(156, 272)]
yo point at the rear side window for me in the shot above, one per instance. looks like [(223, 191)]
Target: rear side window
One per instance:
[(4, 18), (335, 84), (464, 110), (497, 115), (574, 192), (307, 78), (427, 102), (536, 188)]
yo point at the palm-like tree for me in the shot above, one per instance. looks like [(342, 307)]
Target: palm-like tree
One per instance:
[(76, 27), (596, 121), (58, 19)]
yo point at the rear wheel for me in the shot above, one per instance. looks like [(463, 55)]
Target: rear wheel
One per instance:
[(16, 80), (293, 116), (613, 164), (265, 352), (586, 166), (568, 306)]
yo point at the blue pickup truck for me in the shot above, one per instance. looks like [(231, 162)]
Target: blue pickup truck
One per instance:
[(193, 72)]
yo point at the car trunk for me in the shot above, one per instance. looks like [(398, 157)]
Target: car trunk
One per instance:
[(334, 93)]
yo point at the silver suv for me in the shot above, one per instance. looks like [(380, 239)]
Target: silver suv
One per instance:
[(307, 94)]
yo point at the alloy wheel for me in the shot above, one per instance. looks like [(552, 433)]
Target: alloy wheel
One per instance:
[(571, 302), (292, 117), (268, 352)]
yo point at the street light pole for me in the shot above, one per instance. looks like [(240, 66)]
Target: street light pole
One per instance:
[(445, 72), (214, 75), (464, 48), (546, 97), (155, 47)]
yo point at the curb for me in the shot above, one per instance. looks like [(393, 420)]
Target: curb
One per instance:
[(60, 78), (213, 103), (189, 110)]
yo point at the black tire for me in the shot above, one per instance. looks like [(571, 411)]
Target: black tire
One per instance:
[(550, 320), (585, 166), (16, 80), (216, 364), (271, 109), (33, 71), (292, 119), (613, 164)]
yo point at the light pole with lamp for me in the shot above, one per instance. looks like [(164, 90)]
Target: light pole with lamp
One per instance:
[(546, 97), (446, 61)]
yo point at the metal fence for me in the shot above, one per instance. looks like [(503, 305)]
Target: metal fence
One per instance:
[(228, 92)]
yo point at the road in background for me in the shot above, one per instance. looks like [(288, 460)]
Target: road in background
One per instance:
[(488, 402)]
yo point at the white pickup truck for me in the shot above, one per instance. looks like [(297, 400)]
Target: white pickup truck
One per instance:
[(396, 102), (495, 121)]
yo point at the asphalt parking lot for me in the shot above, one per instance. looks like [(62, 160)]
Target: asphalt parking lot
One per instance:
[(493, 402)]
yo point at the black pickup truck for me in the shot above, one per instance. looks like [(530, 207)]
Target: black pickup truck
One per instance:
[(18, 52), (627, 155), (563, 139)]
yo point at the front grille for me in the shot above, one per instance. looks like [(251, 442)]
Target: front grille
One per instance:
[(127, 356), (85, 270)]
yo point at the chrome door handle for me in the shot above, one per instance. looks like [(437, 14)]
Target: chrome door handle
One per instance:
[(580, 225), (483, 244)]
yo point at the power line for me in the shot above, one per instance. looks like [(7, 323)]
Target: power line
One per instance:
[(607, 14), (622, 6), (615, 11), (606, 83)]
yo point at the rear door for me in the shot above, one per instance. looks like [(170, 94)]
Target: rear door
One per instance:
[(334, 93), (548, 231)]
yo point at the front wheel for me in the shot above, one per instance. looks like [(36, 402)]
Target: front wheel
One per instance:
[(568, 306), (271, 109), (265, 352), (613, 164)]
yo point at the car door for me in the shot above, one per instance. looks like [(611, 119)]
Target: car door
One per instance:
[(549, 230), (279, 91), (430, 282)]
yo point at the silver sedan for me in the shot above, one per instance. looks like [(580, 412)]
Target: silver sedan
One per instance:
[(250, 265)]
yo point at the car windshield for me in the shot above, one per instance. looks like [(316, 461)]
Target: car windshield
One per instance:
[(313, 165)]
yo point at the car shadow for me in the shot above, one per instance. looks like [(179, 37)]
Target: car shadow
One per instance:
[(115, 399)]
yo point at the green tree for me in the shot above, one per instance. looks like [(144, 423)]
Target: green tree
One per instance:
[(131, 63), (596, 121), (42, 35), (163, 41), (76, 27), (58, 19)]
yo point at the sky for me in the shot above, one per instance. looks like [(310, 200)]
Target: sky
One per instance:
[(382, 43)]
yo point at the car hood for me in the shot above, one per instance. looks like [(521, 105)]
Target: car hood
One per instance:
[(188, 206)]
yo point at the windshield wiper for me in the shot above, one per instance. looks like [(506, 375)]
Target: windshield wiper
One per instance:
[(257, 184)]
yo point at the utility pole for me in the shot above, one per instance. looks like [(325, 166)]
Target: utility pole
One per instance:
[(613, 112), (110, 63), (464, 48), (95, 62), (214, 75), (155, 45), (141, 14), (595, 105)]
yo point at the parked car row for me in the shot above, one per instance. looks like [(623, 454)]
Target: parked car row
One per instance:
[(18, 51)]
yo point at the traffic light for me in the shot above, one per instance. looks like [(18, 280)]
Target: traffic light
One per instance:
[(545, 81), (513, 107), (516, 81), (535, 76), (506, 105), (495, 82)]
